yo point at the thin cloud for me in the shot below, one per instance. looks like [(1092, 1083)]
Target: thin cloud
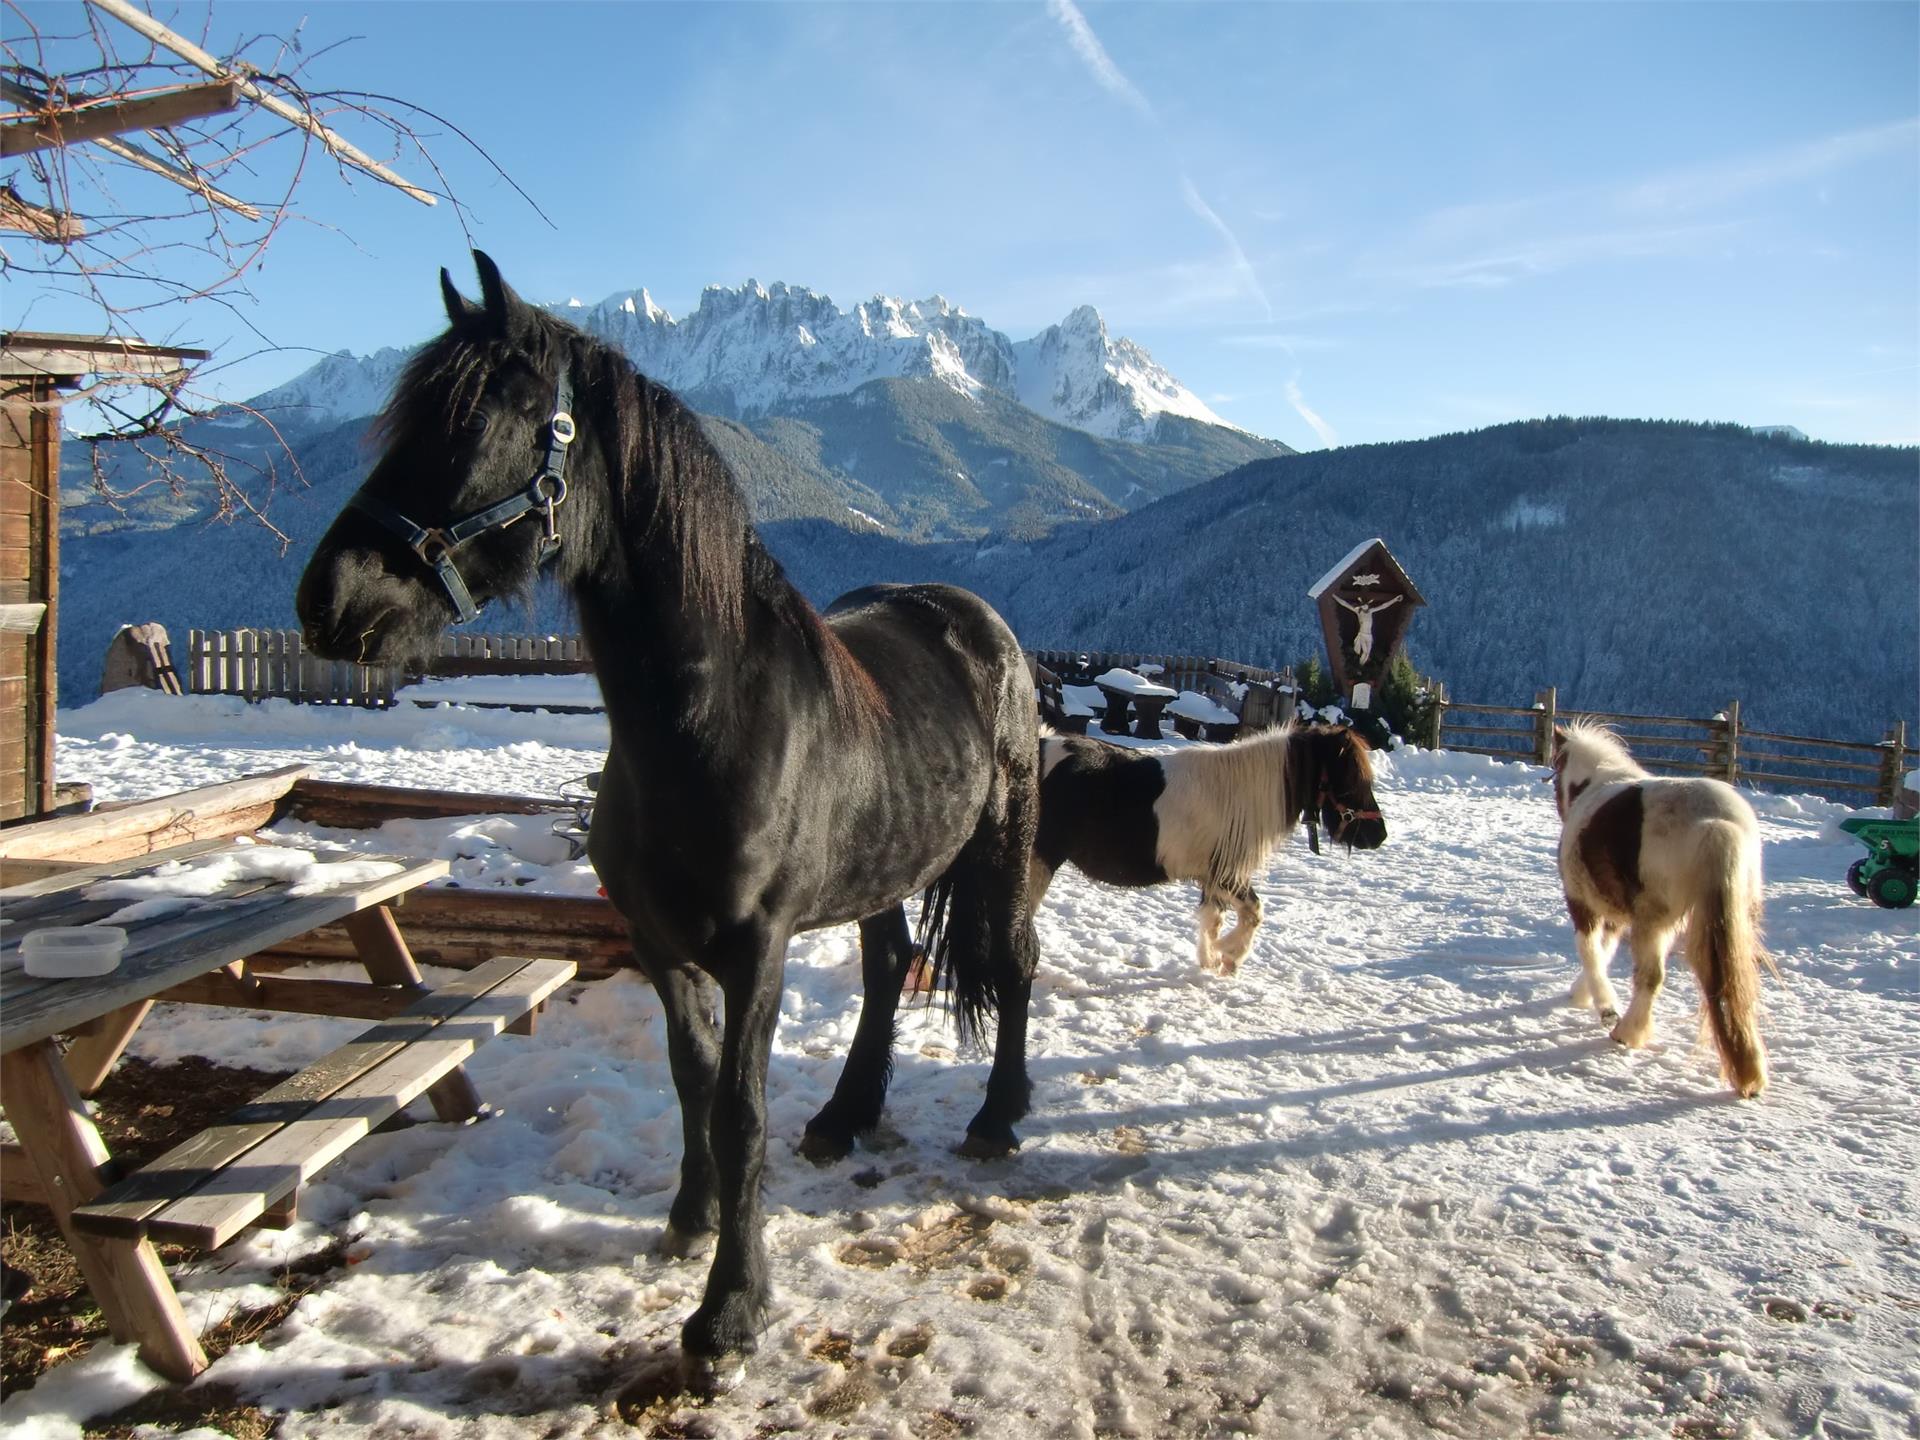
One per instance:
[(1094, 56), (1329, 437), (1113, 80), (1199, 206)]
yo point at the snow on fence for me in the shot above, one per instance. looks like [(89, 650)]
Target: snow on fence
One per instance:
[(1721, 746), (275, 664)]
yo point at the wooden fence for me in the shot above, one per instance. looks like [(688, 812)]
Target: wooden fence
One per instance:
[(275, 664), (1721, 746)]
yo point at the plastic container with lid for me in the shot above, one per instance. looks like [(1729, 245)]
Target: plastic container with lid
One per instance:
[(65, 953)]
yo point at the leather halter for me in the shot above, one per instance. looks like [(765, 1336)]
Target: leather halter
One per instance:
[(435, 545), (1315, 776)]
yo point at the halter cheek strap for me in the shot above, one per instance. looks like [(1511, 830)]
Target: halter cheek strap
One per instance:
[(435, 545)]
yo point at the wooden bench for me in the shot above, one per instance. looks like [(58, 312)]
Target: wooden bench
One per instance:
[(248, 1167)]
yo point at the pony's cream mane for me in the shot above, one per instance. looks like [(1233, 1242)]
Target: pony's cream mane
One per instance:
[(1592, 751), (1247, 785)]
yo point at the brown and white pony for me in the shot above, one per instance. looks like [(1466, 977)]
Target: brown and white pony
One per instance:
[(1208, 813), (1650, 856)]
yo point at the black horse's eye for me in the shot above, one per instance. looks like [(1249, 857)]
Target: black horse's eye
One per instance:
[(475, 423)]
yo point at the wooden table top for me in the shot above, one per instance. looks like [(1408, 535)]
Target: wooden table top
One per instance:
[(245, 917)]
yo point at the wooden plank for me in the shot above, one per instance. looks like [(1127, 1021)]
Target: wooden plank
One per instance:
[(134, 829), (383, 950), (125, 1208), (36, 1009), (243, 898), (90, 1057), (70, 874), (68, 1157), (1769, 757), (1675, 742), (348, 999), (1870, 746), (239, 1193), (1813, 781), (347, 805), (19, 1181), (73, 123)]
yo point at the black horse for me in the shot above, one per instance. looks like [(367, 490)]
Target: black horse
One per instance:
[(770, 771)]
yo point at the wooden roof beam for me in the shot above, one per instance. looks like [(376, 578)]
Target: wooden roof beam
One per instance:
[(145, 24), (70, 124), (134, 155)]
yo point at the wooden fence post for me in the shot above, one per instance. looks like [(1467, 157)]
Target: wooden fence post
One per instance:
[(1892, 768), (1730, 748), (1438, 690), (1546, 710)]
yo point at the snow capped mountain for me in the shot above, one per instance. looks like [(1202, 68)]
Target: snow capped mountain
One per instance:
[(1074, 374), (343, 386), (754, 350)]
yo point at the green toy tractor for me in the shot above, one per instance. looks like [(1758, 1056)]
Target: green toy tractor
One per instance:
[(1890, 872)]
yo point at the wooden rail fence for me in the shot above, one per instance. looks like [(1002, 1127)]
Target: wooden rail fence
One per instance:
[(275, 664), (1721, 746)]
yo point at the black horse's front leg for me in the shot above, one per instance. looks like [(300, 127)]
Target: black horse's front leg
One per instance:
[(886, 953), (733, 1311), (693, 1054)]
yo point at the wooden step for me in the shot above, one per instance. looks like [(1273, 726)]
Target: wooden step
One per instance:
[(212, 1186)]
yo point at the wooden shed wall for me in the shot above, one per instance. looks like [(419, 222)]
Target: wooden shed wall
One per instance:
[(29, 574)]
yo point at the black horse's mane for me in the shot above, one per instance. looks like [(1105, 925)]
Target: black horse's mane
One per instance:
[(645, 430)]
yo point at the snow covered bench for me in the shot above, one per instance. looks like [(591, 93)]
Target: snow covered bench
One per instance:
[(1194, 713), (249, 1166), (1148, 698)]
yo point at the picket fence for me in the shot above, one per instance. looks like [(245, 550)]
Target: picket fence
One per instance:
[(275, 664)]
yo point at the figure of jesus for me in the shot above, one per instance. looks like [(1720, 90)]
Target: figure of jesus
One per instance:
[(1363, 612)]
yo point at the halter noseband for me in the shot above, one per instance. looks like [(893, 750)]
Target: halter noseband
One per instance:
[(545, 491), (1315, 780)]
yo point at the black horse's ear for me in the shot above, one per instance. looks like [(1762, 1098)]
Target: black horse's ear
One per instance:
[(504, 308), (460, 310)]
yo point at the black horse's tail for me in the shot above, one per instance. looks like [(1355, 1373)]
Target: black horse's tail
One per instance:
[(972, 957)]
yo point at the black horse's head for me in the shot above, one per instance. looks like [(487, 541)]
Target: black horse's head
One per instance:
[(1339, 768), (466, 500)]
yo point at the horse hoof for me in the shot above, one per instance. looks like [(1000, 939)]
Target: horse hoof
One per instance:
[(710, 1375), (823, 1148), (988, 1147), (678, 1244), (1610, 1016)]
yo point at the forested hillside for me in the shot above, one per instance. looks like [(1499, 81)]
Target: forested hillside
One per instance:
[(1633, 564)]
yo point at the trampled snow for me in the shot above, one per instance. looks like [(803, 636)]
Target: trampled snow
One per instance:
[(1382, 1183)]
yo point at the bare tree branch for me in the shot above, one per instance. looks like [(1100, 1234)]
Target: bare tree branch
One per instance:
[(134, 224)]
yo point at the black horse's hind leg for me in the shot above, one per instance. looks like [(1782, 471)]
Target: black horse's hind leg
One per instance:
[(693, 1053), (886, 952), (1004, 878), (734, 1309)]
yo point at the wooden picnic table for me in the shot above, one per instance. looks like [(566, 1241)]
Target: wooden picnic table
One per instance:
[(197, 954)]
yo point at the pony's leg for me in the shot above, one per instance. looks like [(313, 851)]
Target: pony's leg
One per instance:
[(693, 1054), (734, 1308), (886, 952), (1594, 941), (1233, 949), (1650, 945), (1039, 877), (1213, 904)]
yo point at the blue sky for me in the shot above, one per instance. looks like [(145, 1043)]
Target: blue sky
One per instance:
[(1337, 223)]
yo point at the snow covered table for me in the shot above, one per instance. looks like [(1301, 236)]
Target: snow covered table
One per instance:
[(1124, 687), (192, 916)]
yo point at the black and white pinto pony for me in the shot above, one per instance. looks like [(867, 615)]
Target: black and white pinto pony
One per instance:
[(1207, 813), (771, 771), (1651, 856)]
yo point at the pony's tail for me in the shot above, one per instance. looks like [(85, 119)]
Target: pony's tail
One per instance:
[(977, 933), (1723, 944), (956, 936)]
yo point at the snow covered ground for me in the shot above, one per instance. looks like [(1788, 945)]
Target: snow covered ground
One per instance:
[(1381, 1183)]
